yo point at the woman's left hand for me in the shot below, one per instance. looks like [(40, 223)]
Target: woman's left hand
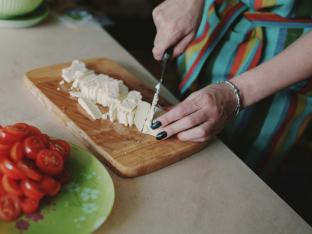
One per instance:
[(199, 117)]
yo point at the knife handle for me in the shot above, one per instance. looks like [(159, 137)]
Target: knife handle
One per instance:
[(168, 52), (167, 55)]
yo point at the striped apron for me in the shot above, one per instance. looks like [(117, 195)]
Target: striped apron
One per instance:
[(233, 37)]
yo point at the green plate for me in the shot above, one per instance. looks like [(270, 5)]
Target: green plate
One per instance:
[(27, 20), (82, 206)]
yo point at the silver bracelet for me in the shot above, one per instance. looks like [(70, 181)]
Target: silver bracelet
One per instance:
[(237, 95)]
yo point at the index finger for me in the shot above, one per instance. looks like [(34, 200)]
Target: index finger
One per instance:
[(178, 112)]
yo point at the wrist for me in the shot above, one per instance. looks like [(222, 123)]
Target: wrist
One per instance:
[(236, 94), (247, 85)]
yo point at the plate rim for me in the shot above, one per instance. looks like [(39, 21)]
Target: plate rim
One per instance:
[(24, 23), (80, 148)]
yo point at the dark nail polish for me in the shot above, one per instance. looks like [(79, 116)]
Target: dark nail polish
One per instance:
[(161, 135), (156, 125)]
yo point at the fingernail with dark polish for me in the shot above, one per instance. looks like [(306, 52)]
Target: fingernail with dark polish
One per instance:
[(161, 135), (156, 125)]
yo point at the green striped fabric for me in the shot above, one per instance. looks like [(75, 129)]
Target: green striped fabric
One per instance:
[(258, 30)]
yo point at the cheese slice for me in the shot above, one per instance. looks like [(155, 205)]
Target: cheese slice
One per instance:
[(90, 107), (147, 126), (75, 94), (123, 105), (140, 120), (75, 70), (141, 114)]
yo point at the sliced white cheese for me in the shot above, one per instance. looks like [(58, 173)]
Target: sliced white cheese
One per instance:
[(75, 94), (130, 118), (147, 127), (90, 107), (77, 68), (123, 105), (105, 116), (141, 114), (122, 117), (112, 113)]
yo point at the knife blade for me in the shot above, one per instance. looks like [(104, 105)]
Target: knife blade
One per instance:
[(164, 62)]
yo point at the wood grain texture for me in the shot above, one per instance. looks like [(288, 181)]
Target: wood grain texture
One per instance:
[(124, 149)]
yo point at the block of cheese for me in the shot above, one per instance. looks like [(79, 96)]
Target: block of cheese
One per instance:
[(124, 106), (75, 70), (141, 119), (141, 114), (90, 107)]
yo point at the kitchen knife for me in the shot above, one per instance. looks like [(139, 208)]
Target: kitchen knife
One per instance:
[(166, 58)]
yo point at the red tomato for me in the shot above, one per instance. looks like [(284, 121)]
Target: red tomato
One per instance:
[(33, 131), (17, 130), (4, 156), (5, 147), (7, 138), (50, 162), (31, 189), (32, 145), (11, 186), (50, 186), (30, 171), (22, 125), (64, 177), (2, 191), (61, 146), (10, 208), (17, 152), (11, 170), (29, 205), (44, 138)]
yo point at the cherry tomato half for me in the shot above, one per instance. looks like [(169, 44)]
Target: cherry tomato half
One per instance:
[(33, 131), (50, 186), (29, 170), (31, 189), (17, 152), (50, 162), (5, 147), (4, 156), (7, 138), (44, 138), (17, 130), (32, 145), (29, 205), (11, 170), (61, 146), (11, 186), (10, 208), (2, 191)]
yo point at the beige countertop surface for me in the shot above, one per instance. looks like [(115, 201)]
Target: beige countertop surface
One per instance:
[(209, 192)]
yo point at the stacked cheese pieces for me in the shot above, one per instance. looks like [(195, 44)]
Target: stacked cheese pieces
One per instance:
[(124, 106)]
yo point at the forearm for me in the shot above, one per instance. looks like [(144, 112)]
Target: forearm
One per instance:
[(292, 65)]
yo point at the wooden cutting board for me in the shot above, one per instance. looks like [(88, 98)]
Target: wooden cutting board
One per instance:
[(124, 149)]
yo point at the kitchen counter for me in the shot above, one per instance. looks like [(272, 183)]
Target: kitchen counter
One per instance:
[(209, 192)]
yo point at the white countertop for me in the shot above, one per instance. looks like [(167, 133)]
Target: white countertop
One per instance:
[(210, 192)]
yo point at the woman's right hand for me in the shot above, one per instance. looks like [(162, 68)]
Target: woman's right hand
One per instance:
[(176, 23)]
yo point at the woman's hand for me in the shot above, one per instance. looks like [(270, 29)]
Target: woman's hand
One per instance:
[(199, 117), (176, 22)]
